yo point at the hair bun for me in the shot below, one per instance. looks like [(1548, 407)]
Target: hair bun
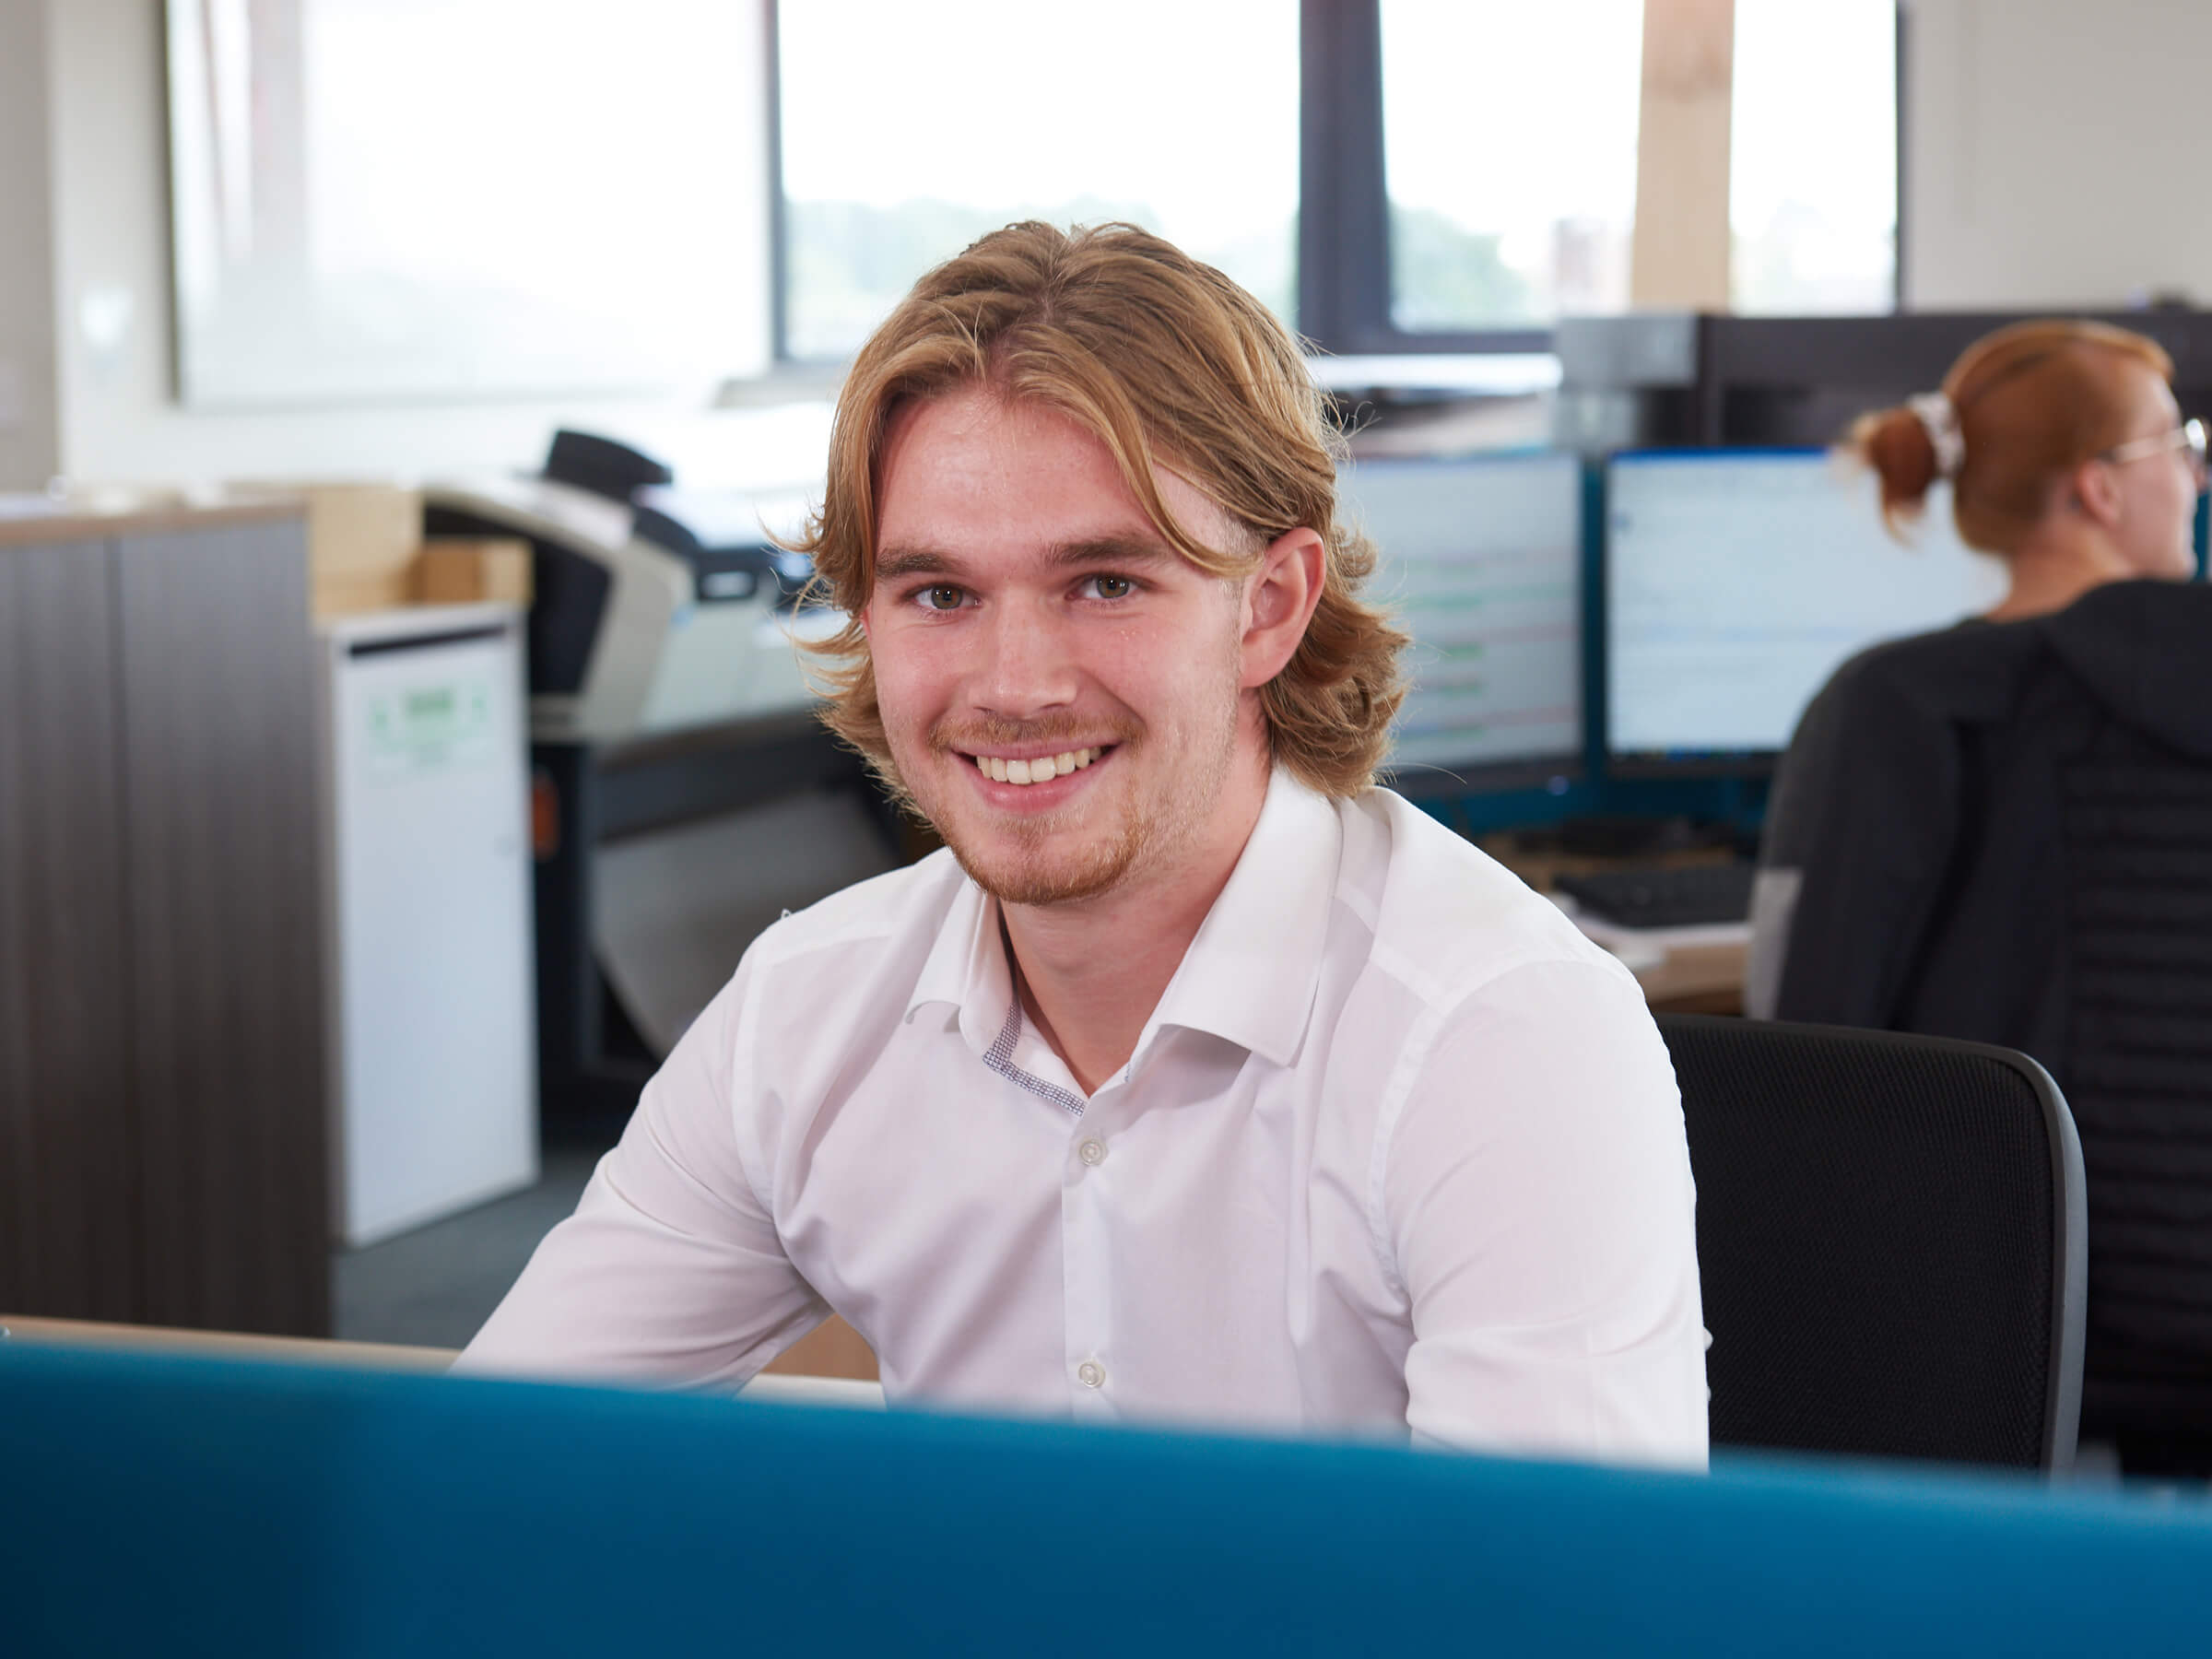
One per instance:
[(1896, 444)]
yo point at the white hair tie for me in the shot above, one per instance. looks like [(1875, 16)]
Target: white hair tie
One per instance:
[(1939, 419)]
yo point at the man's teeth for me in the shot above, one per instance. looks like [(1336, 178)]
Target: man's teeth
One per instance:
[(1038, 770)]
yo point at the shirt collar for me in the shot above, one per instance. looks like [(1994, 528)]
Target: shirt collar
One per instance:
[(967, 967), (1249, 976)]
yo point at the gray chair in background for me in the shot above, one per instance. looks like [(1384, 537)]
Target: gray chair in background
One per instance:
[(1891, 1238)]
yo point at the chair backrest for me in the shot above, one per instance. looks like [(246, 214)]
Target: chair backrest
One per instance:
[(2135, 834), (1890, 1240)]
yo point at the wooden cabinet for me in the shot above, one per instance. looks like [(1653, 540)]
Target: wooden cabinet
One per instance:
[(162, 1086)]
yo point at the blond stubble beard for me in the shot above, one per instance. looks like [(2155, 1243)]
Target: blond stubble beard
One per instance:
[(1019, 880)]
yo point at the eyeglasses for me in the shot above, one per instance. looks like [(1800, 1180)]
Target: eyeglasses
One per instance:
[(2189, 435)]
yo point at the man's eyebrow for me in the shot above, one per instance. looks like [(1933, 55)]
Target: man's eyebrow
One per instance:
[(894, 562), (1112, 550)]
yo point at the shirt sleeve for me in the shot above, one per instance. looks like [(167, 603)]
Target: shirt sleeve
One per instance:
[(1859, 838), (671, 1270), (1542, 1219)]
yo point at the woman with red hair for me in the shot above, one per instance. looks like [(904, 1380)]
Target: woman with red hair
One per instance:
[(2003, 831)]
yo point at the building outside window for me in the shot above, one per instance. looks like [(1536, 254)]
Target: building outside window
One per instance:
[(1812, 176), (1509, 148)]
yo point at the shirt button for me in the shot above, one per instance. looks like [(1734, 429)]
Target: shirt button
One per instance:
[(1092, 1152), (1091, 1374)]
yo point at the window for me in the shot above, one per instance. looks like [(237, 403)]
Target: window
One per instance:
[(1812, 187), (461, 198), (1389, 175), (1509, 144), (961, 117)]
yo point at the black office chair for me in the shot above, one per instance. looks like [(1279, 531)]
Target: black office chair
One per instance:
[(1891, 1239)]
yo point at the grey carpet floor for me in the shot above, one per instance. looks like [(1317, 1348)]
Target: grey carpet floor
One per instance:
[(433, 1286)]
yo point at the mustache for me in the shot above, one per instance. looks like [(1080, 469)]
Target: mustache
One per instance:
[(1057, 732)]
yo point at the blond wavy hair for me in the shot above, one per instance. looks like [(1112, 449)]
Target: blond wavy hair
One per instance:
[(1167, 363)]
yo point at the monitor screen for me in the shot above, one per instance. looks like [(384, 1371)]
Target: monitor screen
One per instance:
[(1480, 561), (1737, 581)]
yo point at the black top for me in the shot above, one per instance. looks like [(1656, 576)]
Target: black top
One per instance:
[(2003, 832)]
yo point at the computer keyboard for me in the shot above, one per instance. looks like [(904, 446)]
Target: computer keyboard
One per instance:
[(1689, 897)]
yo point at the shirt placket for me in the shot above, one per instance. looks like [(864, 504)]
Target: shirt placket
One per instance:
[(1087, 1183), (1089, 1180)]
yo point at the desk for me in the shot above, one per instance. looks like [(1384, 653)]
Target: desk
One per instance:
[(1700, 979), (223, 1345), (831, 1366), (1697, 979)]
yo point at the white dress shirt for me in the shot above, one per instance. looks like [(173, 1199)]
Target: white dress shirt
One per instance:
[(1398, 1150)]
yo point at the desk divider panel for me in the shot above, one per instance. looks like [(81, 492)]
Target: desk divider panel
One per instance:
[(224, 924), (66, 1242), (184, 1506)]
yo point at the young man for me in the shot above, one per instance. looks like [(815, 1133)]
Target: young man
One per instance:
[(1198, 1079)]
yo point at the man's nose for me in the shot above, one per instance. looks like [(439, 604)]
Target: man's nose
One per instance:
[(1029, 664)]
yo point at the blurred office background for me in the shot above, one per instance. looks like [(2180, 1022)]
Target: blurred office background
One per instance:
[(297, 295)]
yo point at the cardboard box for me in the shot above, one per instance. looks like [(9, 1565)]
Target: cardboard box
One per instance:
[(366, 552), (458, 571), (362, 540)]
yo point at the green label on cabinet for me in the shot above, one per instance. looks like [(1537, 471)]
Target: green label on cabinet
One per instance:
[(428, 728)]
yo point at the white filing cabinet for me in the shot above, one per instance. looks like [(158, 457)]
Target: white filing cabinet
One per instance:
[(433, 1048)]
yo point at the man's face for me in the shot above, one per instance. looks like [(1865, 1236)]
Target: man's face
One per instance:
[(1027, 619)]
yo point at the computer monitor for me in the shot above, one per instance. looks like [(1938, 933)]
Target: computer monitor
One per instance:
[(1737, 579), (1480, 560)]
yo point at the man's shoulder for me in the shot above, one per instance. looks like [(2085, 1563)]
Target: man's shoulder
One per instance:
[(1446, 918)]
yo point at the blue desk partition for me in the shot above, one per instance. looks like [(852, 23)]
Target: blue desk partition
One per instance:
[(171, 1506)]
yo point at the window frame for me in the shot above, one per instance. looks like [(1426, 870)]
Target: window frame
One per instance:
[(1344, 260), (779, 233), (1342, 288)]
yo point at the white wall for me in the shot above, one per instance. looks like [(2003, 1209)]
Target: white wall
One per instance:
[(2054, 152), (30, 450), (119, 417)]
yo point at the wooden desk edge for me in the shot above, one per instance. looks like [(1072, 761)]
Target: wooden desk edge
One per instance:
[(1698, 979), (231, 1345), (832, 1350)]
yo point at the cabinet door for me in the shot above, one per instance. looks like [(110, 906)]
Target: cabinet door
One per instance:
[(226, 927), (437, 1059), (67, 1232)]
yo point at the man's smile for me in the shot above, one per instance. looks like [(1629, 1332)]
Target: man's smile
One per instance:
[(1035, 769)]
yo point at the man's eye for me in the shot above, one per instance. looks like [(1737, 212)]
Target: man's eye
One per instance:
[(942, 598), (1112, 587)]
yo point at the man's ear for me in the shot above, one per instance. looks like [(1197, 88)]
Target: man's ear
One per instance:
[(1279, 601), (2095, 492)]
